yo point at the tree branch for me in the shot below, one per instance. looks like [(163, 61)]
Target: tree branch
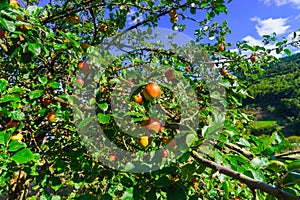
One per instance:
[(251, 183)]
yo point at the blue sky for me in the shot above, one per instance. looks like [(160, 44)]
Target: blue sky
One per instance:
[(249, 20)]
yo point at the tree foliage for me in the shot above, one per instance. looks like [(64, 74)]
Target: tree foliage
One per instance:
[(42, 154)]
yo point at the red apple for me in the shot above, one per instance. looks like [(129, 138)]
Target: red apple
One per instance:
[(46, 102), (84, 67), (170, 75), (165, 153), (152, 124), (221, 47), (254, 58), (113, 157), (138, 98), (80, 81), (224, 71)]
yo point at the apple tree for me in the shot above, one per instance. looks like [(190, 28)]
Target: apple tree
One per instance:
[(97, 103)]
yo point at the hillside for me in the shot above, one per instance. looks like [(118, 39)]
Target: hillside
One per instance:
[(277, 94)]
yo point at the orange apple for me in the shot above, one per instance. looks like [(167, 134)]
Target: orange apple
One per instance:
[(151, 91), (51, 116)]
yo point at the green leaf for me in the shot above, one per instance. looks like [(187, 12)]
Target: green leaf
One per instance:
[(3, 85), (35, 94), (243, 142), (128, 194), (259, 162), (8, 25), (287, 52), (295, 165), (8, 98), (54, 84), (35, 48), (43, 80), (17, 115), (14, 145), (276, 166), (103, 106), (23, 156), (56, 197), (103, 119)]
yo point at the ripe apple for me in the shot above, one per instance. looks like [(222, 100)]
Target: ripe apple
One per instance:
[(85, 46), (174, 19), (165, 153), (221, 47), (224, 71), (113, 157), (14, 3), (73, 19), (84, 67), (51, 116), (254, 58), (151, 91), (188, 56), (46, 102), (12, 124), (241, 184), (165, 140), (172, 12), (103, 27), (152, 124), (19, 136), (138, 98), (21, 38), (188, 69), (3, 34), (194, 180), (170, 75), (144, 141), (236, 198), (80, 81), (199, 87)]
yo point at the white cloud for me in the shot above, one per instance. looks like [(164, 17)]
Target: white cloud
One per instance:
[(270, 25), (292, 3), (253, 42)]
